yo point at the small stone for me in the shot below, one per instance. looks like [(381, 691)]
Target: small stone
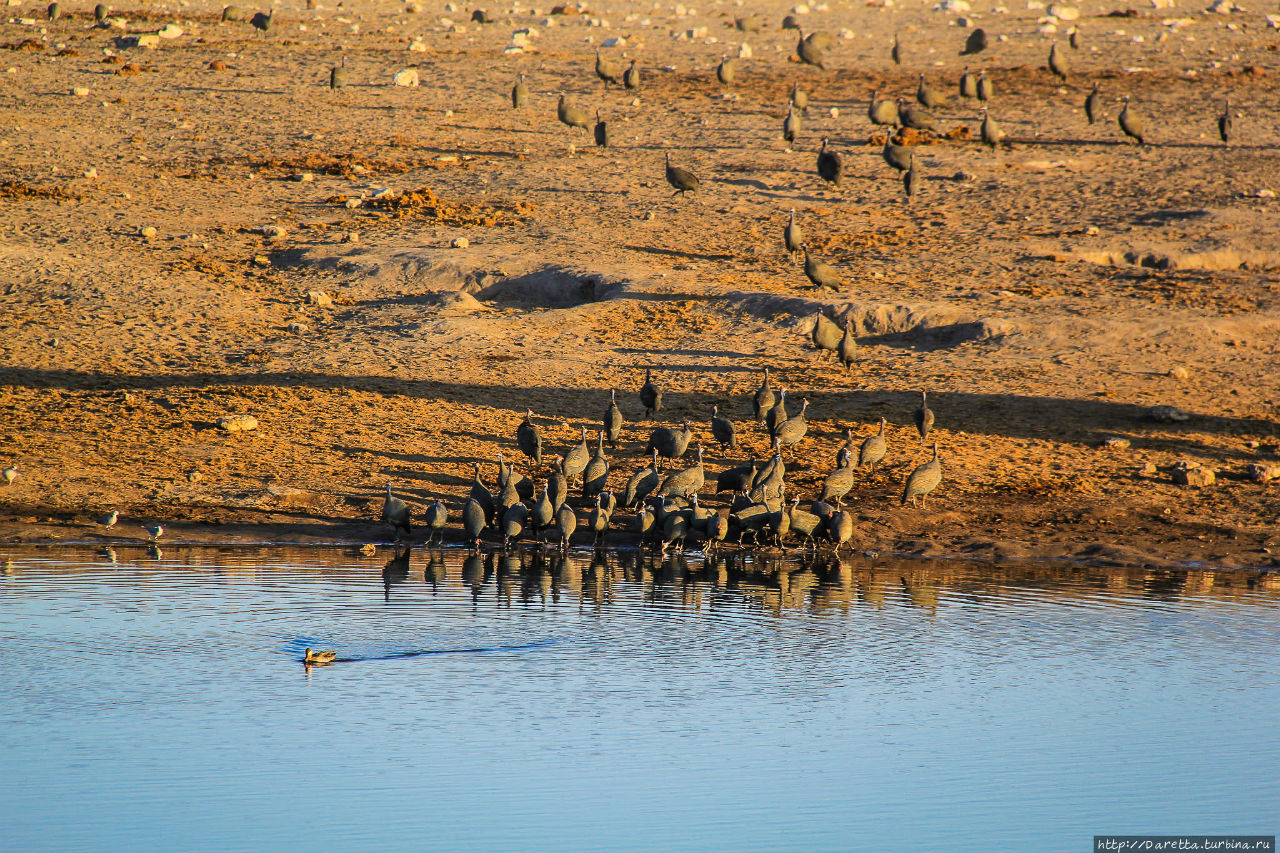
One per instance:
[(1149, 469), (1115, 442), (297, 328), (1167, 415), (1064, 13), (148, 233), (170, 31), (262, 260), (303, 177), (238, 423), (648, 216), (351, 237), (274, 232), (613, 41), (1265, 193), (1261, 473), (194, 477), (460, 243), (91, 172), (407, 78), (80, 92), (417, 47), (351, 203), (1193, 474), (1179, 373), (319, 298)]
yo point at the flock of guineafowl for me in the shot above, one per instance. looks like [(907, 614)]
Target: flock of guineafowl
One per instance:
[(666, 502), (667, 514)]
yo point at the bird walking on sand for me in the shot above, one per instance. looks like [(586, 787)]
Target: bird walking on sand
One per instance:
[(1130, 123), (601, 131), (873, 449), (968, 84), (1093, 105), (897, 156), (395, 512), (924, 416), (338, 75), (572, 116), (975, 43), (682, 179), (882, 111), (722, 430), (847, 351), (911, 179), (528, 439), (9, 474), (985, 89), (1224, 123), (929, 97), (791, 124), (109, 520), (726, 71), (631, 77), (896, 51), (650, 395), (262, 21), (809, 50), (822, 274), (1058, 62), (922, 481), (155, 531), (792, 236), (829, 164), (612, 421), (763, 399), (607, 71), (799, 97), (991, 133), (519, 93)]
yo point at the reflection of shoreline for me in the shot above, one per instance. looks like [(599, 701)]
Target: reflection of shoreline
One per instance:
[(775, 583)]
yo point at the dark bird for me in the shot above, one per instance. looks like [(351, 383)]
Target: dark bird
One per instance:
[(923, 480), (109, 520), (975, 43), (598, 520), (820, 273), (631, 77), (601, 131), (395, 512), (792, 236), (528, 439), (727, 71), (873, 449), (968, 84), (596, 475), (897, 155), (923, 416), (607, 71), (799, 97), (519, 93), (824, 334), (840, 528), (764, 398), (911, 178), (612, 419), (985, 90), (1058, 62), (1130, 123), (231, 13), (474, 522), (737, 478), (101, 11), (748, 23), (790, 22), (567, 523), (338, 75), (513, 522), (794, 428), (1224, 123), (896, 51), (1073, 38), (791, 124), (543, 513), (684, 482), (682, 179), (991, 133), (480, 16), (916, 118), (929, 97), (810, 50), (53, 12), (576, 458), (436, 518), (777, 413), (722, 430), (572, 116), (650, 395), (481, 495), (262, 22), (847, 351), (642, 483), (1093, 105), (829, 164), (837, 484), (669, 443), (882, 111)]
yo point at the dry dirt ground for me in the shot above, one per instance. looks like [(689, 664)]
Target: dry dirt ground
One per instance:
[(1046, 294)]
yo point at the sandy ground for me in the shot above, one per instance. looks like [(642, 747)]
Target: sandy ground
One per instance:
[(1047, 294)]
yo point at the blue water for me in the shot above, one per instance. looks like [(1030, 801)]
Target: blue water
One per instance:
[(161, 704)]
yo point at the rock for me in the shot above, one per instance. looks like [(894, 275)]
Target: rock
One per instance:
[(297, 328), (149, 41), (744, 51), (303, 177), (1260, 473), (262, 260), (368, 549), (417, 47), (460, 243), (351, 203), (148, 233), (1149, 469), (407, 78), (1167, 415), (1193, 474), (170, 31), (351, 237), (1114, 442), (319, 298), (613, 41), (237, 423), (217, 65), (194, 477), (80, 92), (1221, 7), (1064, 13), (1179, 373), (275, 232), (91, 172)]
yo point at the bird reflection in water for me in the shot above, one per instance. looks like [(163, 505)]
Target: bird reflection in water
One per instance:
[(434, 573), (396, 571)]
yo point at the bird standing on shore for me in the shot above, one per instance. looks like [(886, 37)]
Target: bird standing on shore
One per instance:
[(650, 395), (631, 77), (395, 512), (923, 416), (1224, 123), (612, 421), (1093, 104), (829, 164), (764, 398), (822, 274), (873, 449), (528, 439), (923, 480), (792, 236), (519, 93), (682, 179), (155, 531), (572, 116), (109, 520), (911, 178), (338, 75), (1058, 62), (1130, 123), (9, 474)]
